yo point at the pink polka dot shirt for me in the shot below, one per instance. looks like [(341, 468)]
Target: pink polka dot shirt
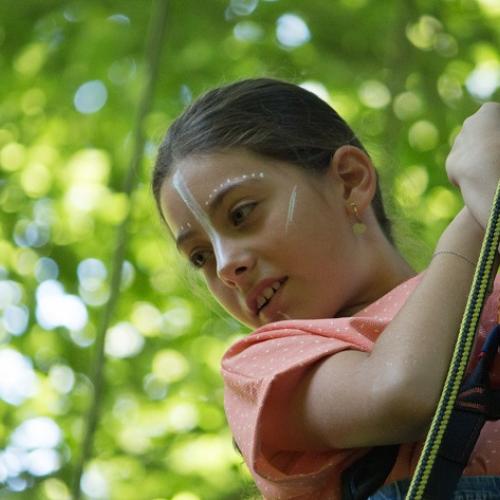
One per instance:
[(277, 355)]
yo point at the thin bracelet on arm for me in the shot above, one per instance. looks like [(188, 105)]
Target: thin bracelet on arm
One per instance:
[(456, 255)]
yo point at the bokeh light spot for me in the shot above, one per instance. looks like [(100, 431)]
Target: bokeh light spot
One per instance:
[(12, 156), (490, 7), (185, 495), (15, 319), (30, 234), (191, 457), (411, 185), (90, 97), (120, 72), (177, 318), (123, 341), (37, 432), (43, 462), (446, 45), (17, 378), (89, 166), (407, 105), (36, 180), (449, 88), (11, 293), (146, 318), (248, 31), (170, 366), (374, 94), (154, 387), (423, 33), (441, 204), (423, 135), (292, 31), (17, 484), (128, 275), (182, 417), (316, 88), (46, 269), (242, 7), (484, 80), (120, 19), (55, 489), (25, 261), (31, 59), (56, 308), (91, 273), (62, 378), (94, 483)]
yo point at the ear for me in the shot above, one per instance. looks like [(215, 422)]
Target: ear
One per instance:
[(353, 169)]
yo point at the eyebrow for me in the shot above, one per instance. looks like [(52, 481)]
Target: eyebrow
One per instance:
[(214, 202)]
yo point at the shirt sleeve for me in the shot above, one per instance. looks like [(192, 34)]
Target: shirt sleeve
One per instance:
[(275, 361)]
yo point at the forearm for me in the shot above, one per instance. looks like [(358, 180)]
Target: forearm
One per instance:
[(419, 341)]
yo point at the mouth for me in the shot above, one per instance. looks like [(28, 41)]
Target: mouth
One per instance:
[(268, 293)]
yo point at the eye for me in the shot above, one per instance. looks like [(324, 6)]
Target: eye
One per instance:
[(199, 258), (240, 213)]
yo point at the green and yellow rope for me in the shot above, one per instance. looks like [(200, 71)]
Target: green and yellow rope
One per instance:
[(481, 284)]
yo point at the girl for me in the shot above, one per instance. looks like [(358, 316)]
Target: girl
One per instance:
[(269, 193)]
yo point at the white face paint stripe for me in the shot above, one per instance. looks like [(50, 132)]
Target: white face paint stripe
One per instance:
[(191, 203), (291, 207), (199, 214)]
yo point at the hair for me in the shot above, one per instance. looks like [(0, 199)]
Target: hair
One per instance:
[(270, 117)]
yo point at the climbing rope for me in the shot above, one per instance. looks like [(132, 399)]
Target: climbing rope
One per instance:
[(481, 285)]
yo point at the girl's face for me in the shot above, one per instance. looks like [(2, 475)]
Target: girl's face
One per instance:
[(272, 240)]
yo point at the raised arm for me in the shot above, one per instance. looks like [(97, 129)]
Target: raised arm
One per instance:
[(356, 399)]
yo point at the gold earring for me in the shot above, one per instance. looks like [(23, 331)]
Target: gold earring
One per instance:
[(358, 227)]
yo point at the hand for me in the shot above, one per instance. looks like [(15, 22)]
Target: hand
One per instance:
[(474, 160)]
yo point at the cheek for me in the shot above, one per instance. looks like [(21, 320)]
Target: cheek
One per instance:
[(223, 294), (228, 299), (280, 221)]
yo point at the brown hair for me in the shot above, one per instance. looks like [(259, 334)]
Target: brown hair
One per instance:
[(269, 117)]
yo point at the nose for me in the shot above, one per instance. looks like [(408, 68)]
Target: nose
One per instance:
[(234, 264)]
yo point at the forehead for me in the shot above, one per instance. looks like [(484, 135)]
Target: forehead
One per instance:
[(196, 181), (202, 177), (204, 170)]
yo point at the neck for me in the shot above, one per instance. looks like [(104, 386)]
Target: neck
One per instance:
[(386, 269)]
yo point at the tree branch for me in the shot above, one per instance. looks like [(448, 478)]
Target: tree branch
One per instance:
[(156, 36)]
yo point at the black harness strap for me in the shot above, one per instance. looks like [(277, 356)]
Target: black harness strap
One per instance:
[(476, 404), (367, 475)]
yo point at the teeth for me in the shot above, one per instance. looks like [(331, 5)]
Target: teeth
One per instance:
[(261, 301), (267, 294)]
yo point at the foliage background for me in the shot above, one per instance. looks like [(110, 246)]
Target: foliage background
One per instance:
[(404, 74)]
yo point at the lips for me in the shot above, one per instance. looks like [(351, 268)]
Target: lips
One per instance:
[(262, 293)]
